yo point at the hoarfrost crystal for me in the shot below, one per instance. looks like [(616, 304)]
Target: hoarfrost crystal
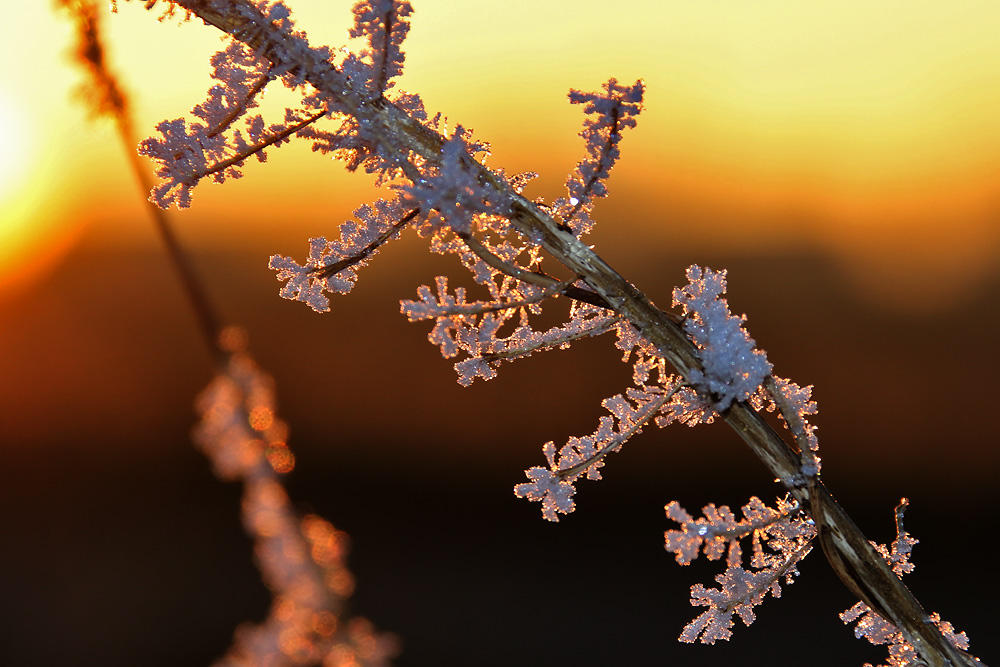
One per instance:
[(733, 369)]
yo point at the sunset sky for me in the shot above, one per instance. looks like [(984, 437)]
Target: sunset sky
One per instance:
[(866, 130), (842, 159)]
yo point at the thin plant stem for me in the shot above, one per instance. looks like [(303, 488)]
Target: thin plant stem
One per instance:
[(205, 314), (106, 97)]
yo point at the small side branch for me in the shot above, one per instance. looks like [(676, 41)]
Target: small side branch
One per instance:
[(239, 109), (741, 530), (599, 327), (364, 253), (649, 410), (531, 277), (383, 71), (256, 148), (428, 310), (587, 193)]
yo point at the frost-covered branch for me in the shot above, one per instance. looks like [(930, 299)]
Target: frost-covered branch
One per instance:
[(719, 528), (430, 307), (634, 425), (739, 592), (332, 265), (787, 533), (555, 339), (553, 487), (608, 113), (276, 137), (364, 253), (190, 153), (383, 23), (876, 629), (479, 214)]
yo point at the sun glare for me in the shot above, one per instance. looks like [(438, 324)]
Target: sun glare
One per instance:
[(14, 139), (32, 235)]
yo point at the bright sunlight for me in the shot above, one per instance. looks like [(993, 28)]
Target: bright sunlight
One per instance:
[(28, 242), (14, 136)]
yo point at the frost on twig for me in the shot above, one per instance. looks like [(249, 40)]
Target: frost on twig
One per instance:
[(584, 456), (331, 266), (301, 558), (878, 630), (475, 328), (787, 536), (479, 215), (609, 112), (190, 151), (431, 307), (384, 24), (733, 369)]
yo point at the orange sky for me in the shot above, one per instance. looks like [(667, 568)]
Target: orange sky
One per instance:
[(865, 129)]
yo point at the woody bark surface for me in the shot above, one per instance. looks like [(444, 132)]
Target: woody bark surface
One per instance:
[(862, 569)]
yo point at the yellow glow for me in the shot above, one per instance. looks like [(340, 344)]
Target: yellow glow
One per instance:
[(33, 235), (867, 129), (15, 136)]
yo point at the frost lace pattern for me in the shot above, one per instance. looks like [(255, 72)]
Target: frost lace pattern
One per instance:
[(694, 366)]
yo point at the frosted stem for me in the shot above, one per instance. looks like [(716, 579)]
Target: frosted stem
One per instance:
[(596, 329), (642, 418), (364, 253), (239, 109), (741, 531), (398, 135), (530, 277), (766, 582), (492, 306), (588, 188), (256, 148)]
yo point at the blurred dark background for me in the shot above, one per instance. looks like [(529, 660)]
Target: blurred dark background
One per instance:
[(119, 547)]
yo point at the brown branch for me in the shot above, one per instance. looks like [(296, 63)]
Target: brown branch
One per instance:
[(530, 277), (647, 412), (741, 530), (598, 328)]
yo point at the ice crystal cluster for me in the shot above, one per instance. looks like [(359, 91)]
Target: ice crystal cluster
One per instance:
[(780, 538), (523, 256), (732, 369)]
